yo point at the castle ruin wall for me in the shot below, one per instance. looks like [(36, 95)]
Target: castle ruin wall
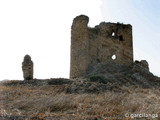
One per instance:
[(105, 43)]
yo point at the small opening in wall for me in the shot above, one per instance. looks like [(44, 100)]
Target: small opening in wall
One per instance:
[(113, 34), (121, 38), (114, 57)]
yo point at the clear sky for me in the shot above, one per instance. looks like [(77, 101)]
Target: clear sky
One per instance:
[(41, 28)]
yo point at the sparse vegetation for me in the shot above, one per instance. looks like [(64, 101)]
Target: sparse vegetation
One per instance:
[(51, 102), (97, 78), (107, 96)]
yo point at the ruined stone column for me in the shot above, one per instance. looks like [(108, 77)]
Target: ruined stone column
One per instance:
[(27, 68), (79, 47)]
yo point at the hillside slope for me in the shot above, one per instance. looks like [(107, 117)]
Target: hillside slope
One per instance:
[(110, 93)]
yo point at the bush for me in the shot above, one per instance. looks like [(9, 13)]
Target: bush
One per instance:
[(97, 78)]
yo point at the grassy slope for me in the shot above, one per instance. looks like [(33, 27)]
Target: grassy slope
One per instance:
[(51, 102)]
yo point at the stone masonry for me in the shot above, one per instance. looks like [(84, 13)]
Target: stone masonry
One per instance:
[(141, 66), (27, 68), (107, 42)]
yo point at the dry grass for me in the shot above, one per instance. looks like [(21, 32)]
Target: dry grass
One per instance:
[(51, 103)]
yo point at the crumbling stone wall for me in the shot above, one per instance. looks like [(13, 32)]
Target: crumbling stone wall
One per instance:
[(27, 68), (141, 66), (105, 43)]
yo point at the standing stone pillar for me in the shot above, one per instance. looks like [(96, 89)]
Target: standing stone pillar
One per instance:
[(27, 68)]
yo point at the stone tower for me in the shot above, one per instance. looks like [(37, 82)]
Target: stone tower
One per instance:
[(27, 68), (109, 43)]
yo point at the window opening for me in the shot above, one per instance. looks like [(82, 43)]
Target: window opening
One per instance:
[(114, 57), (113, 34), (121, 38)]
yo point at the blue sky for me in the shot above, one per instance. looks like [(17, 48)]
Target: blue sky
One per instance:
[(41, 29)]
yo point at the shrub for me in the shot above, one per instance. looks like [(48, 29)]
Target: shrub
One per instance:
[(97, 78)]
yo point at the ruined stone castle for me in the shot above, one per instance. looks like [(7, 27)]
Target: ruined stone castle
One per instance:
[(105, 43)]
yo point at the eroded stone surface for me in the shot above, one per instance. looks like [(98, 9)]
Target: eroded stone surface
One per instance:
[(141, 66), (105, 43), (27, 68)]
